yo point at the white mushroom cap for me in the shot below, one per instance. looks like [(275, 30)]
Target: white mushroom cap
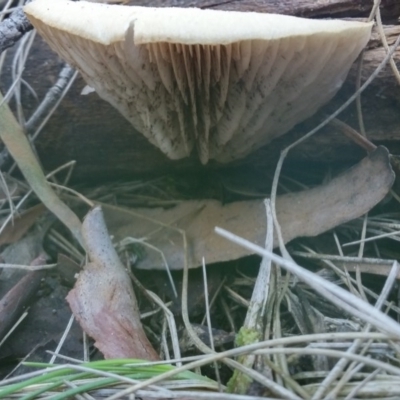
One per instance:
[(222, 82)]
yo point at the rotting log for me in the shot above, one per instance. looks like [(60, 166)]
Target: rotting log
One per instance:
[(301, 8), (105, 146)]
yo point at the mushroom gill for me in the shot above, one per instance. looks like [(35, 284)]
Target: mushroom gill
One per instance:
[(222, 83)]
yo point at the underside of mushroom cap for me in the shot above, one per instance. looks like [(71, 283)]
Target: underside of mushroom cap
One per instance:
[(224, 83)]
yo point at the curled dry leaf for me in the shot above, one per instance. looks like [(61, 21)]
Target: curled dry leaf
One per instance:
[(103, 300), (306, 213)]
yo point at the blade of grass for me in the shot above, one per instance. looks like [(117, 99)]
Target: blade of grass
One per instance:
[(17, 144)]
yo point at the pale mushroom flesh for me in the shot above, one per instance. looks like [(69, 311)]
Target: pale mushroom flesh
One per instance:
[(218, 83)]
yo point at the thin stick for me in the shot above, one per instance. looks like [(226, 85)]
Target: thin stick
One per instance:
[(209, 325), (51, 98), (268, 383), (353, 135), (386, 45), (171, 325), (62, 340), (361, 384), (330, 291), (312, 132)]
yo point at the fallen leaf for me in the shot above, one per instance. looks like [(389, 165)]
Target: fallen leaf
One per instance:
[(43, 328), (103, 300), (306, 213)]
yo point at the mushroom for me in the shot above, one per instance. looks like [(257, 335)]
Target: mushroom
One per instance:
[(223, 83)]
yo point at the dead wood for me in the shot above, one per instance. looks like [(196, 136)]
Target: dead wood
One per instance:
[(88, 130)]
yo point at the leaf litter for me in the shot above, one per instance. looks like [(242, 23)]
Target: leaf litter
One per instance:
[(103, 300), (180, 236), (305, 213)]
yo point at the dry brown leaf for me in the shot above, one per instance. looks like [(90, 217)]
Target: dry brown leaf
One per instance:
[(103, 300), (306, 213), (21, 224)]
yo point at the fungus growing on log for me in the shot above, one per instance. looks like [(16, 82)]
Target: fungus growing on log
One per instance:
[(216, 82)]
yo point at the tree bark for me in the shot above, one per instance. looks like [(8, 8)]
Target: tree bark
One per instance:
[(105, 146)]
